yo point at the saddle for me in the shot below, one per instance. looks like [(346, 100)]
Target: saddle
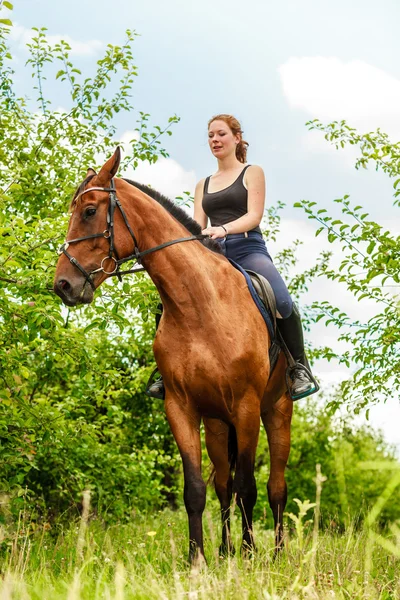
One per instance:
[(267, 297), (264, 298)]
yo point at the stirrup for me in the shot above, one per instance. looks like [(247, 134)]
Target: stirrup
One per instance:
[(312, 390), (156, 393)]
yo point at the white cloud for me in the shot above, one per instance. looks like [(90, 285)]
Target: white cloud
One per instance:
[(22, 35), (129, 135), (331, 89), (166, 176)]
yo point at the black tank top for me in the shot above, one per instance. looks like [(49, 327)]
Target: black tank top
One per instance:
[(228, 204)]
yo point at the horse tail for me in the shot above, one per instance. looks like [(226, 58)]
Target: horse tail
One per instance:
[(232, 453)]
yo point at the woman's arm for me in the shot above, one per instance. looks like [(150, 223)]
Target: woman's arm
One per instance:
[(255, 182), (199, 214)]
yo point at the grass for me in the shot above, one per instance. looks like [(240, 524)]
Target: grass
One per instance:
[(146, 559)]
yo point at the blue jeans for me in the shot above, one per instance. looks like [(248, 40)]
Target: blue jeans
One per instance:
[(251, 253)]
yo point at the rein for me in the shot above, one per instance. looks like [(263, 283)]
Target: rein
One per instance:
[(108, 234)]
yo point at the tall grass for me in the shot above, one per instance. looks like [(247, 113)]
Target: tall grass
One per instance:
[(146, 559)]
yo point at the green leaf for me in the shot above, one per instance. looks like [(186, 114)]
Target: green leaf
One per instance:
[(24, 372), (91, 326)]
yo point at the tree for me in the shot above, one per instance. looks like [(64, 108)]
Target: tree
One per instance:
[(70, 379), (342, 449), (369, 270)]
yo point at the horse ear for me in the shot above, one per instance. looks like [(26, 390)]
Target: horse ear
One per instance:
[(90, 172), (110, 168)]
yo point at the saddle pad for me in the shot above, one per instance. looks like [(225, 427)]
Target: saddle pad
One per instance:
[(260, 305)]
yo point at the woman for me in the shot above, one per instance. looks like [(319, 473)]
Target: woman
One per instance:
[(233, 200)]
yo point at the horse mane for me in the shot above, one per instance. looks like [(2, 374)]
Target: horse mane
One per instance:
[(176, 211)]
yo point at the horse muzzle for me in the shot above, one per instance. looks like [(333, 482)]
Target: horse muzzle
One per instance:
[(73, 293)]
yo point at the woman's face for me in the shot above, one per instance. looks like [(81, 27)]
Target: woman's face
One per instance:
[(221, 140)]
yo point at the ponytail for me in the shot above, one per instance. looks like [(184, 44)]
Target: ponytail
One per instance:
[(241, 151)]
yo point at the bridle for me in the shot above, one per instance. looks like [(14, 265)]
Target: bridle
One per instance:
[(108, 234)]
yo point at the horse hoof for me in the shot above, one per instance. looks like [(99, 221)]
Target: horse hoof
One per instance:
[(197, 563), (248, 551), (226, 550)]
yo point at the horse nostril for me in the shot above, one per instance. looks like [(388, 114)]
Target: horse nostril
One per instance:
[(64, 285)]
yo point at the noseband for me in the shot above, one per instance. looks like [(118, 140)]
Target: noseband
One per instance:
[(108, 234)]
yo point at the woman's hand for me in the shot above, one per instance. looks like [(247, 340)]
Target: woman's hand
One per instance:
[(215, 232)]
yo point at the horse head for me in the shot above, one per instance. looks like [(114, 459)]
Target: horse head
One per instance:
[(87, 256), (92, 252)]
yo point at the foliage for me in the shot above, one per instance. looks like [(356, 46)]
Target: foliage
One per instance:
[(375, 147), (369, 269), (71, 379), (89, 429), (9, 6), (340, 448)]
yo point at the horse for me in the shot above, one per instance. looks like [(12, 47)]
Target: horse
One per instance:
[(211, 346)]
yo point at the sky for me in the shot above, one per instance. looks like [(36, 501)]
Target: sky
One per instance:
[(274, 65)]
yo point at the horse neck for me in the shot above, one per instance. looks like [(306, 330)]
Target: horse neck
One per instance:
[(178, 271)]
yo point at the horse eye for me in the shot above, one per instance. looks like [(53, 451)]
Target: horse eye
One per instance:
[(89, 212)]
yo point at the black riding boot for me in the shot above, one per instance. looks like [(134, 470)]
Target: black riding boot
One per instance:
[(300, 381), (156, 389)]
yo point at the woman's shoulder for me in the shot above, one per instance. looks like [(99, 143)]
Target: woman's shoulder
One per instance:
[(200, 183), (256, 169), (253, 174), (199, 189)]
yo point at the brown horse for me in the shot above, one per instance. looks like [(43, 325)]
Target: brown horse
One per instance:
[(211, 346)]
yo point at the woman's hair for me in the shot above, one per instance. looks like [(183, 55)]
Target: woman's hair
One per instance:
[(234, 126)]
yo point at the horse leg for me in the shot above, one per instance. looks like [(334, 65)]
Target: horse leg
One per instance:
[(221, 448), (247, 424), (276, 419), (185, 427)]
